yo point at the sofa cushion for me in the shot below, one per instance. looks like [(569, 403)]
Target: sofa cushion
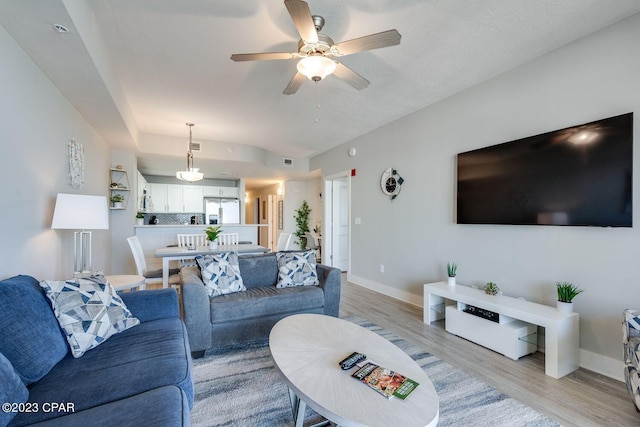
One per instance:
[(221, 273), (164, 406), (13, 391), (31, 340), (258, 270), (297, 269), (89, 311), (151, 355), (264, 301)]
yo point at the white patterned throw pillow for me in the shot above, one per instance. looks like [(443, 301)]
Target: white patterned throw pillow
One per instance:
[(297, 269), (88, 310), (221, 273)]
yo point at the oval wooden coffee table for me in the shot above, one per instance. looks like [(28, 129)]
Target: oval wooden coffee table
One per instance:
[(306, 349)]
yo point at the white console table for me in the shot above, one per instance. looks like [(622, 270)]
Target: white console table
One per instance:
[(561, 329)]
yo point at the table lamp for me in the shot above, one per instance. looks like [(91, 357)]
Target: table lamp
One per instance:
[(79, 211)]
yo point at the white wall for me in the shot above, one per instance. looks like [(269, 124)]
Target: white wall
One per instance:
[(36, 125), (415, 235)]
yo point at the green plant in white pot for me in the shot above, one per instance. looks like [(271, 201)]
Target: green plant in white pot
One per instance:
[(116, 201), (567, 291), (212, 233), (452, 269)]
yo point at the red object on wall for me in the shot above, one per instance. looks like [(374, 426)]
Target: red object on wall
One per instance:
[(353, 172)]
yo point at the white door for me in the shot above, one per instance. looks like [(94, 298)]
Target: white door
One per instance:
[(340, 224), (335, 239)]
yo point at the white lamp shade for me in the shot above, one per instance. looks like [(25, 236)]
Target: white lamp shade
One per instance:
[(190, 175), (316, 67), (80, 212)]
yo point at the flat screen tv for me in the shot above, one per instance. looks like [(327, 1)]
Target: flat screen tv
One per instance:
[(578, 176)]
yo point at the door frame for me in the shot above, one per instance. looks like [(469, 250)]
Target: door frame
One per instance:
[(327, 240)]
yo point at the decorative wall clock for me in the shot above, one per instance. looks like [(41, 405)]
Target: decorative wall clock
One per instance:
[(76, 164), (390, 182)]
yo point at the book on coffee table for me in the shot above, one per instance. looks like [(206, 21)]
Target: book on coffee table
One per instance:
[(385, 381)]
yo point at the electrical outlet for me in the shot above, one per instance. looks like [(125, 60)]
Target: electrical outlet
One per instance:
[(381, 268)]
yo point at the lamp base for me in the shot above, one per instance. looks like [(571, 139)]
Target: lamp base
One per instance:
[(81, 254)]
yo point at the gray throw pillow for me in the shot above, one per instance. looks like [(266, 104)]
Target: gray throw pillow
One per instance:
[(221, 273), (297, 269), (89, 311)]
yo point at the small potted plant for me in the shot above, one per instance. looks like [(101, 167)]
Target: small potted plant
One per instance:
[(452, 267), (140, 218), (212, 234), (567, 291), (116, 201), (491, 289)]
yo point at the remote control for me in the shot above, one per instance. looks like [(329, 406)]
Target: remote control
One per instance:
[(351, 360)]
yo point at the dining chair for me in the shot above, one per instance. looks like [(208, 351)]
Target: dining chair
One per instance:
[(228, 238), (311, 241), (190, 240), (284, 241), (150, 276)]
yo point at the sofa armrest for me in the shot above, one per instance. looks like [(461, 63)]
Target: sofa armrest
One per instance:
[(330, 279), (196, 309), (152, 304)]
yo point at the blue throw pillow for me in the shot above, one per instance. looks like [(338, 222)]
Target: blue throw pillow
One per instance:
[(12, 390), (30, 337)]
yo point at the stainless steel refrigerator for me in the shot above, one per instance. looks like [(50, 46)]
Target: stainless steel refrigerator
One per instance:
[(221, 210)]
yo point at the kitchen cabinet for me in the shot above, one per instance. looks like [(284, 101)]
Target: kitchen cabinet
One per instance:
[(158, 193), (192, 199), (172, 198), (141, 187), (215, 191)]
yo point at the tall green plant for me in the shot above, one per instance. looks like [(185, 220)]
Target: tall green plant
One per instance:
[(302, 224)]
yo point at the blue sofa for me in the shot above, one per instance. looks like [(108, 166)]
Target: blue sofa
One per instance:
[(141, 376)]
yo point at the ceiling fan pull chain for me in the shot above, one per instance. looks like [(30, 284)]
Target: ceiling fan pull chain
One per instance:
[(317, 101)]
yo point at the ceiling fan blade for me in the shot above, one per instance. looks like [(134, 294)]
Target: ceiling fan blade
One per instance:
[(348, 75), (301, 15), (372, 41), (262, 56), (294, 84)]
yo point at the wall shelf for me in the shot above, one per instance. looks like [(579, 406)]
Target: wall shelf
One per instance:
[(119, 184)]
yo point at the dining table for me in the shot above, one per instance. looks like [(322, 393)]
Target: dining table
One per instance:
[(173, 253)]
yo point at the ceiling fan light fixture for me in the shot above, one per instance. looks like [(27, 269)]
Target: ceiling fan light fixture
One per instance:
[(191, 174), (316, 67)]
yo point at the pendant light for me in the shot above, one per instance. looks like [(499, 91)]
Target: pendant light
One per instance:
[(191, 174)]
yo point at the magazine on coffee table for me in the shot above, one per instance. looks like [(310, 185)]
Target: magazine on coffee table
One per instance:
[(385, 381)]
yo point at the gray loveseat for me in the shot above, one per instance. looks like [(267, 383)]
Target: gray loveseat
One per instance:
[(248, 316), (141, 376)]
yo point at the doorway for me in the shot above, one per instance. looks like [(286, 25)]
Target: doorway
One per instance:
[(337, 232)]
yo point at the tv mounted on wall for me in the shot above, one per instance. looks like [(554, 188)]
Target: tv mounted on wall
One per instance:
[(578, 176)]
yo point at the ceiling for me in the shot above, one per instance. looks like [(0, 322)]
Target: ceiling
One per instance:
[(139, 70)]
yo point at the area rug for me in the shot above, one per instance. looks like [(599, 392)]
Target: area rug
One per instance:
[(240, 387)]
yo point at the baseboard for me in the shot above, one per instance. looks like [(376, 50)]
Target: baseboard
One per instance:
[(603, 365), (390, 291)]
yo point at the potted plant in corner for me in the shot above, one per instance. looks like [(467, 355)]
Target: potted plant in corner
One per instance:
[(567, 291), (116, 201), (452, 267), (139, 218), (212, 234)]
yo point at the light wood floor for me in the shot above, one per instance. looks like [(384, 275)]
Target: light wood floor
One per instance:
[(582, 398)]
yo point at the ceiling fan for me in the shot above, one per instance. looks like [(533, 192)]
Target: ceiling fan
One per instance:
[(316, 51)]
